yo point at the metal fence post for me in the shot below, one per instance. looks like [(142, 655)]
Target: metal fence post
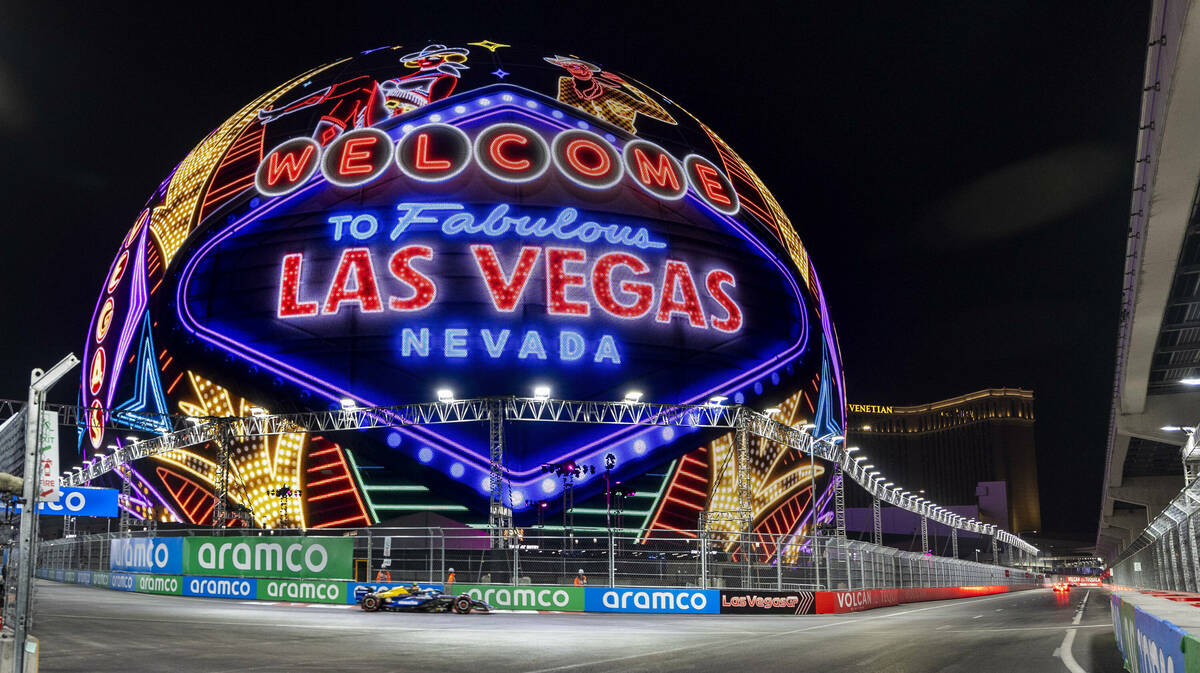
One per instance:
[(779, 563), (516, 573), (703, 558), (369, 553), (612, 559)]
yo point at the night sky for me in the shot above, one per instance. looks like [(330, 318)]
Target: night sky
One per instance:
[(960, 172)]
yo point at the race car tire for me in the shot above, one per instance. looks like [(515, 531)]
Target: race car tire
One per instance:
[(462, 604), (370, 603)]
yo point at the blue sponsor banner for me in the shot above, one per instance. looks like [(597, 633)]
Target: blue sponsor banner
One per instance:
[(60, 574), (81, 502), (355, 590), (221, 587), (122, 581), (661, 601), (162, 556), (1158, 643), (83, 577)]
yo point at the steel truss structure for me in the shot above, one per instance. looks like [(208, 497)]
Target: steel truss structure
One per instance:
[(180, 431)]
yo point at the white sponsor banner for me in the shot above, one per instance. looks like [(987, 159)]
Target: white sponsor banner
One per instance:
[(48, 457)]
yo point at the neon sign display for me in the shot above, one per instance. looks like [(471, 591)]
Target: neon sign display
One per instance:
[(403, 221), (506, 287), (507, 152)]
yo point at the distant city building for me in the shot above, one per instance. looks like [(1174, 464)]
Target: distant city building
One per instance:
[(952, 448)]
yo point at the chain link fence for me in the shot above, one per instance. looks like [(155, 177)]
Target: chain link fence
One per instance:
[(1168, 561), (1166, 556), (685, 559)]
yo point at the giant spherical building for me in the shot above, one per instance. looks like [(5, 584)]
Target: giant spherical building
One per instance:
[(476, 218)]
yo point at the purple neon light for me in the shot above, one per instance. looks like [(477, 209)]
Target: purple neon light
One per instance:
[(137, 303), (423, 434)]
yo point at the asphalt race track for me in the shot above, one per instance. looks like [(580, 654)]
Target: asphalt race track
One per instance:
[(89, 629)]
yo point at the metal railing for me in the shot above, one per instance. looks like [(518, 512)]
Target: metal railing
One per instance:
[(691, 559), (1167, 554)]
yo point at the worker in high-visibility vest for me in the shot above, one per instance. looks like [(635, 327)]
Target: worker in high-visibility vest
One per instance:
[(581, 579), (449, 581), (383, 576)]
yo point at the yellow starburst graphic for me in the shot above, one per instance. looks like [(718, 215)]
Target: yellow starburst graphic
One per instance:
[(489, 45), (258, 465)]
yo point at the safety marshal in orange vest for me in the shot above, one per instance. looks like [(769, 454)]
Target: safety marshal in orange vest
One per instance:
[(450, 580), (581, 579)]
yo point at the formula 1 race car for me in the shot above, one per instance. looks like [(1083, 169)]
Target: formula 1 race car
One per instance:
[(412, 598)]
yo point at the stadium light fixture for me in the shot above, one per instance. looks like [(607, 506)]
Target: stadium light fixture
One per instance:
[(717, 399), (877, 472), (445, 395), (633, 397), (859, 458), (1190, 381), (772, 411), (867, 467), (131, 439), (851, 449), (258, 412), (807, 426), (541, 393), (347, 404)]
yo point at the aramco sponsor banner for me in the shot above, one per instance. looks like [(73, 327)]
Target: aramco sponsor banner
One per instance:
[(1147, 643), (159, 584), (285, 557), (147, 555), (526, 597), (80, 501), (853, 601), (122, 581), (767, 602), (220, 587), (302, 591), (665, 601)]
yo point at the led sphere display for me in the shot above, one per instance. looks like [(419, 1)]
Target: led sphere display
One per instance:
[(463, 221)]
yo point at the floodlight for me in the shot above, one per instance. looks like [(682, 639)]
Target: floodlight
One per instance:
[(541, 393), (445, 395), (717, 399), (347, 404), (633, 396)]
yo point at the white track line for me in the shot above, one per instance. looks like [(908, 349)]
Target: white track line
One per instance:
[(1064, 650)]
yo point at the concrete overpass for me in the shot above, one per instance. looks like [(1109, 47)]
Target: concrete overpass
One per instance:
[(1159, 335)]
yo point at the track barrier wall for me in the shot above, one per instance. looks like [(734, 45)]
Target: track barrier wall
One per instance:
[(630, 575), (1157, 630), (643, 600)]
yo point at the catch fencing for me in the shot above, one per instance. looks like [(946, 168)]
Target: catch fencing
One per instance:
[(1166, 556), (699, 559)]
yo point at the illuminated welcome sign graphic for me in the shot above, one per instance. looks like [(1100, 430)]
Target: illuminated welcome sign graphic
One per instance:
[(497, 242)]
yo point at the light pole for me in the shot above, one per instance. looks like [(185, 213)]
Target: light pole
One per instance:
[(39, 383)]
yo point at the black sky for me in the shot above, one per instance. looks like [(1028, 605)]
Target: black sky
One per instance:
[(960, 172)]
